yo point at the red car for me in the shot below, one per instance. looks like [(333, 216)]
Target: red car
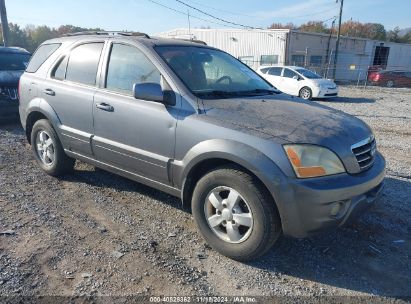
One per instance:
[(390, 78)]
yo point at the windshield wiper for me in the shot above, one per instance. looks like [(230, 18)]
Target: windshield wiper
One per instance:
[(216, 93), (258, 92)]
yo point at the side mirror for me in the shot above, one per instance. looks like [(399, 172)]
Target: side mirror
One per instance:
[(153, 92), (296, 78)]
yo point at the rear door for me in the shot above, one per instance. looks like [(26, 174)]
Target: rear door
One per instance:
[(70, 90), (137, 136), (274, 76)]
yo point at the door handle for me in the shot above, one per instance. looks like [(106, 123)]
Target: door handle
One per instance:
[(105, 107), (49, 92)]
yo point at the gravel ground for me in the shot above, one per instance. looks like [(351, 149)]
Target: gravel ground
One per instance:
[(94, 233)]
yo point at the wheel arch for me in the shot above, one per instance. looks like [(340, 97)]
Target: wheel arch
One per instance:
[(39, 109), (219, 153)]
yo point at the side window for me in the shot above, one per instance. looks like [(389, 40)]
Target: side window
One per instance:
[(83, 63), (289, 74), (264, 70), (128, 66), (60, 70), (41, 55), (275, 71)]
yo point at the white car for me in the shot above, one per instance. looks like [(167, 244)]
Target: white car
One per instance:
[(298, 81)]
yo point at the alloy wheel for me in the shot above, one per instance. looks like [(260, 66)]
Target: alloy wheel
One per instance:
[(228, 215), (45, 148)]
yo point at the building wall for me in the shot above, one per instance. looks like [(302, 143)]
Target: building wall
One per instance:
[(316, 52), (399, 57), (289, 47), (247, 45)]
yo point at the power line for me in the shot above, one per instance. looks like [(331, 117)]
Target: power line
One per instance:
[(221, 10), (214, 17), (185, 14), (317, 13)]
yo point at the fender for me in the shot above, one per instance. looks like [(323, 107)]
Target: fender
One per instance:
[(246, 156), (40, 105)]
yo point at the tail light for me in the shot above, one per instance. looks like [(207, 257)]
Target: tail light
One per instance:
[(377, 76)]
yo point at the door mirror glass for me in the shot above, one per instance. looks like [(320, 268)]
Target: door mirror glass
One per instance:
[(153, 92)]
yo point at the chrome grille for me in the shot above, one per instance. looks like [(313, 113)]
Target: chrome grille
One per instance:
[(364, 152)]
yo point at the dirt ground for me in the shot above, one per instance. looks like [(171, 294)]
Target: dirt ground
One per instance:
[(95, 233)]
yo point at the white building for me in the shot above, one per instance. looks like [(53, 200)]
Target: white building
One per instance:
[(313, 50)]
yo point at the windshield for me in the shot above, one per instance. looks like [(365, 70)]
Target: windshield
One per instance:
[(211, 74), (14, 62), (308, 74)]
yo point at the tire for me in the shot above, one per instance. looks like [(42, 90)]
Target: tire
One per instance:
[(48, 151), (306, 93), (390, 83), (256, 236)]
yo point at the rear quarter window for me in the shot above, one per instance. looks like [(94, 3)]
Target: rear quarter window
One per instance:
[(41, 55)]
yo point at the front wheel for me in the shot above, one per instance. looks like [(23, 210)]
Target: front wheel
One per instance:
[(306, 93), (235, 214)]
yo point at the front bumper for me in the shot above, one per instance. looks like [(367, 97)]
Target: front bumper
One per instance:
[(315, 204), (325, 93)]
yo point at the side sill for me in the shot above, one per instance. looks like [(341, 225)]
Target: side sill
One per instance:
[(135, 177)]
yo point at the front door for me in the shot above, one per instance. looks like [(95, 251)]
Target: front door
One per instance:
[(137, 136)]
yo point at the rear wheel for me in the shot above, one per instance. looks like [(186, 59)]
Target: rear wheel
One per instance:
[(390, 83), (306, 93), (48, 150), (235, 214)]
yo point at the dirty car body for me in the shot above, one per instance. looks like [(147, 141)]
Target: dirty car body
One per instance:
[(198, 111)]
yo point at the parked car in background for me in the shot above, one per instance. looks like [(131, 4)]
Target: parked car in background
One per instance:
[(13, 62), (193, 121), (390, 78), (298, 81)]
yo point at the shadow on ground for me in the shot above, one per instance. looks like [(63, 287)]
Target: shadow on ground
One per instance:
[(347, 100), (372, 255), (362, 257)]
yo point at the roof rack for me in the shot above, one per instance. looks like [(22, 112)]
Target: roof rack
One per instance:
[(108, 33), (192, 40)]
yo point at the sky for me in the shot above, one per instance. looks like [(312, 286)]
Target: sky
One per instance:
[(149, 17)]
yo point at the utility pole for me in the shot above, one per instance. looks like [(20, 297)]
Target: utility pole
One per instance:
[(4, 23), (189, 24), (337, 46)]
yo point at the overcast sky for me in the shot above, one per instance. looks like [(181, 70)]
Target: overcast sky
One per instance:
[(149, 17)]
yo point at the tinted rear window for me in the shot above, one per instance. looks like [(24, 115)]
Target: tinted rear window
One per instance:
[(41, 55), (14, 61)]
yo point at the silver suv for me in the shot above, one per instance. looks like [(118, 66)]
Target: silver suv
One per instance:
[(193, 121)]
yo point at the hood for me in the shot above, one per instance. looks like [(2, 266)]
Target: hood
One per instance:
[(290, 119), (324, 82), (10, 77)]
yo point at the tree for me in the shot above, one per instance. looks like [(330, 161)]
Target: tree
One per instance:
[(277, 25), (393, 35), (315, 27)]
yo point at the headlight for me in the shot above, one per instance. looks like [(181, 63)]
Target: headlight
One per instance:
[(313, 161)]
